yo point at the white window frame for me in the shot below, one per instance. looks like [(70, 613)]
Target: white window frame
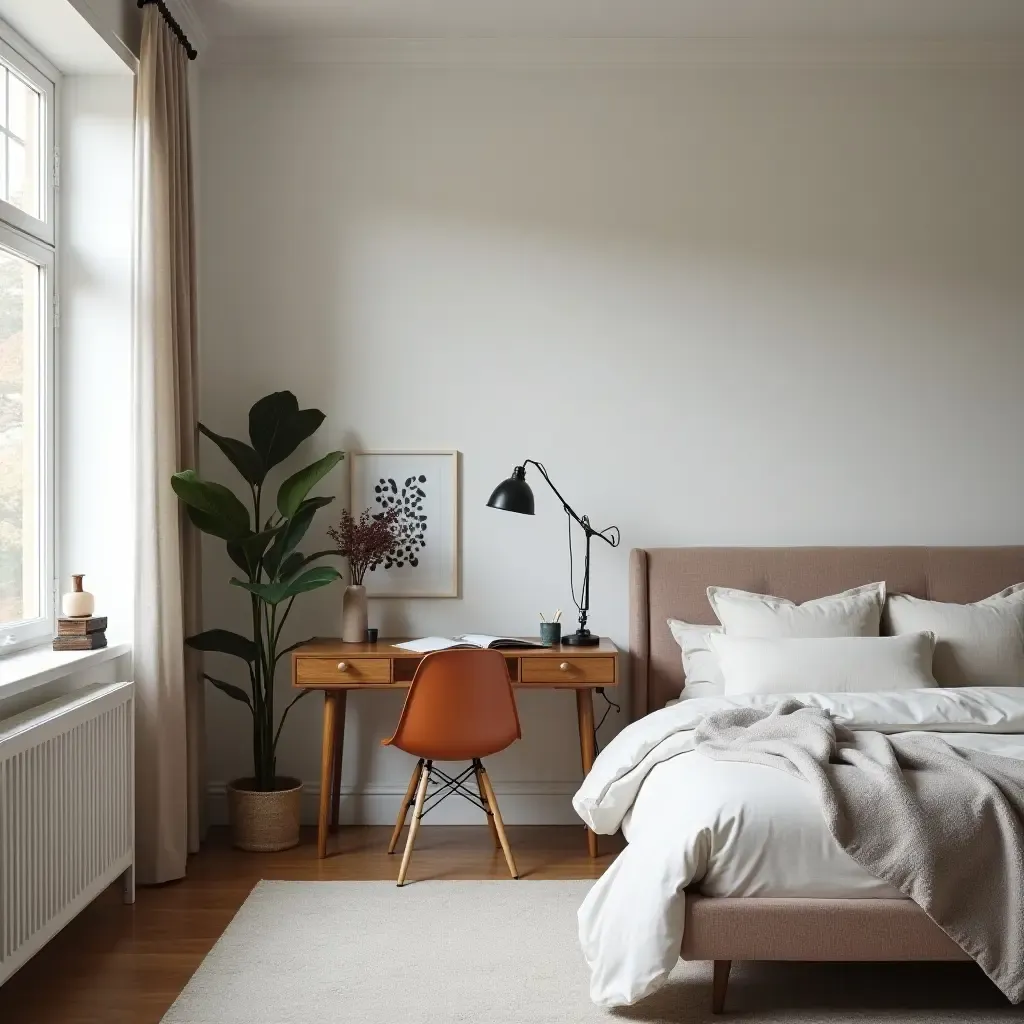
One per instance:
[(44, 228), (35, 239)]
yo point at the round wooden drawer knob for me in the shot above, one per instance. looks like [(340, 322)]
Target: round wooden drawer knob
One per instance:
[(564, 667), (342, 666)]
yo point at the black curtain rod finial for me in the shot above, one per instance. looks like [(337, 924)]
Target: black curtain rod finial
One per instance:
[(173, 25)]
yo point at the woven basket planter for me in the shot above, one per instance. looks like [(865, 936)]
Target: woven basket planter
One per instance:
[(264, 822)]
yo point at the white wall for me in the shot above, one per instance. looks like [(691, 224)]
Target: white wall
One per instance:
[(724, 305)]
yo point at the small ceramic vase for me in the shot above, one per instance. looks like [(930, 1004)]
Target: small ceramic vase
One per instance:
[(353, 615), (78, 603)]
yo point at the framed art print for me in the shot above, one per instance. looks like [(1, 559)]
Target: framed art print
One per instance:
[(424, 486)]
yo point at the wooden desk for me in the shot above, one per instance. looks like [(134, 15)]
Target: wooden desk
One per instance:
[(336, 668)]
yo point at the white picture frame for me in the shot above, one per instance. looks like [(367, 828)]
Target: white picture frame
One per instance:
[(426, 483)]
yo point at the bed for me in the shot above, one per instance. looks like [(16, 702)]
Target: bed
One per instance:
[(671, 583)]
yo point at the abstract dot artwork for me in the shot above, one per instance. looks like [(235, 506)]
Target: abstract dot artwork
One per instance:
[(408, 497), (419, 491)]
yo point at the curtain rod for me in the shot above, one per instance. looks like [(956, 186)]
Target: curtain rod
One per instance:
[(173, 26)]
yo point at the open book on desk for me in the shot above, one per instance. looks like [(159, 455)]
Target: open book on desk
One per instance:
[(467, 641)]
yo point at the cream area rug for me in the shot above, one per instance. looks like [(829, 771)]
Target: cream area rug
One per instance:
[(507, 953)]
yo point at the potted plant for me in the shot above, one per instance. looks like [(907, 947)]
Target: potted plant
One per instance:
[(365, 542), (263, 543)]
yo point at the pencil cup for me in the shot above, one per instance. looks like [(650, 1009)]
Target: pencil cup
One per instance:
[(550, 633)]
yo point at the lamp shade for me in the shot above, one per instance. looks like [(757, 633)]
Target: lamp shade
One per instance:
[(513, 494)]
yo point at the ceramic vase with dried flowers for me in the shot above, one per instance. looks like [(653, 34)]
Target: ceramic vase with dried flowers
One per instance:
[(365, 542)]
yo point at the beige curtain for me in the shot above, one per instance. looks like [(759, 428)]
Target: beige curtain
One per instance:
[(169, 696)]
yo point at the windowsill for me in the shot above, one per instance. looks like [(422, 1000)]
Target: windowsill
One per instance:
[(37, 666)]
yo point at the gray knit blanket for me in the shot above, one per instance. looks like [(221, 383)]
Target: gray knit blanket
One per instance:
[(943, 826)]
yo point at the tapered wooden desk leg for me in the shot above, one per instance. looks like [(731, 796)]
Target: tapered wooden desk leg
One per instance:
[(326, 772), (341, 700), (585, 715)]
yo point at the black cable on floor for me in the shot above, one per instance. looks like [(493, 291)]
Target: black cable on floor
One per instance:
[(607, 711)]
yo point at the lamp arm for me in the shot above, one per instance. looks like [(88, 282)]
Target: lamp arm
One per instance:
[(610, 535)]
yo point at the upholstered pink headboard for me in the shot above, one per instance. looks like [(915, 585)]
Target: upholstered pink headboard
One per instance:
[(672, 582)]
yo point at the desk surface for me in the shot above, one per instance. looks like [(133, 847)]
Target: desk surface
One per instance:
[(331, 647)]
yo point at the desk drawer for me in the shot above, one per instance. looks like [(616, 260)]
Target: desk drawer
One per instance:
[(342, 670), (567, 670)]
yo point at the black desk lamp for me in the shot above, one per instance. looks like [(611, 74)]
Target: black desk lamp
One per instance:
[(515, 495)]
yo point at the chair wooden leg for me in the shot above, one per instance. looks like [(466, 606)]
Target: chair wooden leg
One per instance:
[(477, 770), (720, 985), (406, 804), (499, 825), (414, 825)]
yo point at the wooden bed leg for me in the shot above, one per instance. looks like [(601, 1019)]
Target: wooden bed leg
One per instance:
[(720, 985)]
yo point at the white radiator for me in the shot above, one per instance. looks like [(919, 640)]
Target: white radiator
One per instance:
[(67, 814)]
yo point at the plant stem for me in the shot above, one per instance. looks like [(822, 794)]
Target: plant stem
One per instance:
[(284, 619), (257, 695), (262, 757), (272, 661), (294, 700)]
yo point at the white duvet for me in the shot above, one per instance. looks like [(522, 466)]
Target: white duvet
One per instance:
[(733, 828)]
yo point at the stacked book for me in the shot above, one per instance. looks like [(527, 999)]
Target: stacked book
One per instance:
[(81, 634)]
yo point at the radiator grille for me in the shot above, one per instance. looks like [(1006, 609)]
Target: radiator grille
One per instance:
[(66, 813)]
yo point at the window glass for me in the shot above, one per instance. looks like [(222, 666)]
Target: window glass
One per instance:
[(27, 336), (22, 142), (20, 348)]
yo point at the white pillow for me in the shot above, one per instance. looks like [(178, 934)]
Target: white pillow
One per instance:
[(824, 664), (703, 677), (979, 644), (854, 612)]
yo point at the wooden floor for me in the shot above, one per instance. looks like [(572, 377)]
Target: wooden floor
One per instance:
[(125, 965)]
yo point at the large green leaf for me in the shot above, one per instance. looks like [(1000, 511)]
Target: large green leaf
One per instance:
[(204, 521), (313, 504), (221, 513), (277, 426), (255, 545), (237, 555), (292, 534), (266, 417), (242, 456), (291, 565), (223, 641), (275, 593), (312, 579), (270, 593), (231, 690), (320, 554), (293, 491)]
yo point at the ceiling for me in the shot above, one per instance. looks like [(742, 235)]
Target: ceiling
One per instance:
[(743, 19)]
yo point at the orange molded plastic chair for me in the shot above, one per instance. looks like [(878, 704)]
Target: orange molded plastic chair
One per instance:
[(460, 707)]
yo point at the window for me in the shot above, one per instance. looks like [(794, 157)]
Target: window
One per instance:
[(27, 323), (27, 125), (20, 173)]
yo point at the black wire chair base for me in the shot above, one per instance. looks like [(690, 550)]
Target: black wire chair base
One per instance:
[(446, 786)]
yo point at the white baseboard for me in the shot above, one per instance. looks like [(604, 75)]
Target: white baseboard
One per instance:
[(521, 803)]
